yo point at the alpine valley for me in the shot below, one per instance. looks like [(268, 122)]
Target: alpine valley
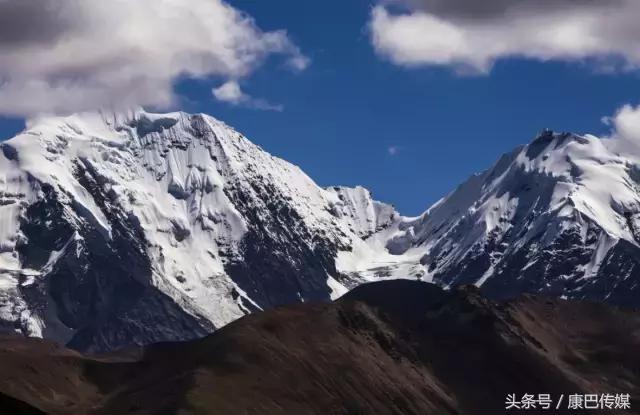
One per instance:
[(136, 228)]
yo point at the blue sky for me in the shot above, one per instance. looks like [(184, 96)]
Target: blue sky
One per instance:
[(343, 114)]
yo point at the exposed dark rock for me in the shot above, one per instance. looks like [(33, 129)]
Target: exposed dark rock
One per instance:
[(145, 126), (9, 152), (277, 265)]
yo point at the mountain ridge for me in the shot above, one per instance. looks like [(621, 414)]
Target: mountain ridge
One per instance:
[(557, 216), (135, 228), (178, 211), (420, 350)]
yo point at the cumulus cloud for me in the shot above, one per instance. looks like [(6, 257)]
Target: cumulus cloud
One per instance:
[(69, 55), (625, 124), (231, 93), (471, 35), (624, 137)]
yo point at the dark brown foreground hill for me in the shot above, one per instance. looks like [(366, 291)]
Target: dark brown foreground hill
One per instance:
[(396, 347)]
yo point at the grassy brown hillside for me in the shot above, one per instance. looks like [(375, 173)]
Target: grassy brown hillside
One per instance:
[(396, 347)]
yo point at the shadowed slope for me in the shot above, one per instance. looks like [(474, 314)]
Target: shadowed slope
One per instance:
[(395, 347)]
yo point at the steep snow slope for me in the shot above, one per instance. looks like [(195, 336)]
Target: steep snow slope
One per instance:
[(560, 216), (137, 228), (363, 215)]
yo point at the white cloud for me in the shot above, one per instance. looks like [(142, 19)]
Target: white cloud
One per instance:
[(70, 55), (231, 93), (624, 137), (625, 124), (298, 62), (471, 35), (393, 150)]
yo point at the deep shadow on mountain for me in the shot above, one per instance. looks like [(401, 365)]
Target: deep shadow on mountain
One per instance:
[(395, 347)]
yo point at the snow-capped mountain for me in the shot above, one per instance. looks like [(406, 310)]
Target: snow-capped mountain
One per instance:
[(560, 216), (136, 228)]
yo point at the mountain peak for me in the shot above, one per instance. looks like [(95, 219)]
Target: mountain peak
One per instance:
[(109, 122), (550, 142), (559, 216), (157, 226)]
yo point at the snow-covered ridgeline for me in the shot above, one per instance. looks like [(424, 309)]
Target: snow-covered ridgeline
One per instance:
[(137, 227), (558, 216), (198, 198)]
